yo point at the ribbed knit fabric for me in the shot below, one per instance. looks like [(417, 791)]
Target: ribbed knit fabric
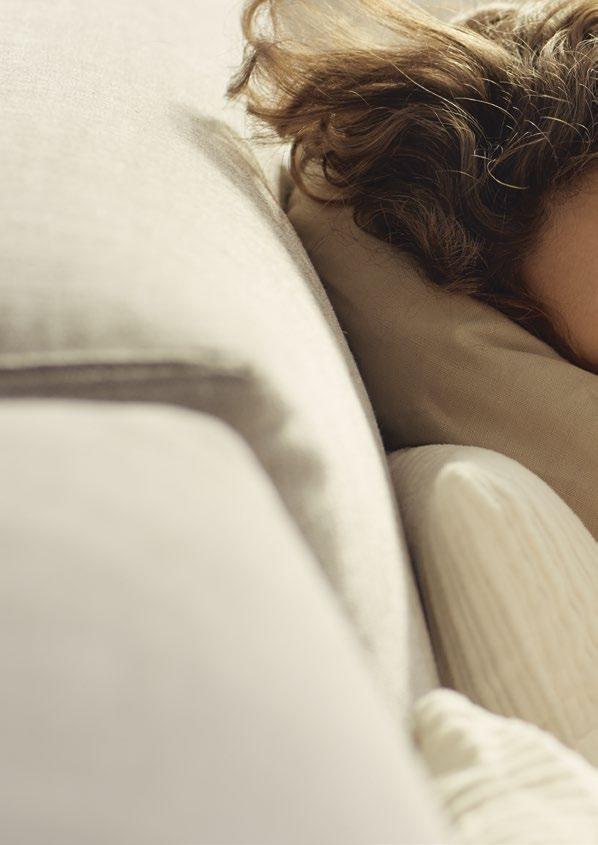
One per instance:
[(509, 580), (504, 780)]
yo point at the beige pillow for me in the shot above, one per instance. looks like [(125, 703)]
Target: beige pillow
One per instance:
[(175, 669), (504, 780), (509, 580), (142, 258), (443, 368)]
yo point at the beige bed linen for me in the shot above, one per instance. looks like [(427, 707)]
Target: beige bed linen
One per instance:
[(442, 368)]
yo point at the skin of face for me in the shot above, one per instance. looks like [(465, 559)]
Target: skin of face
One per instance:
[(562, 268)]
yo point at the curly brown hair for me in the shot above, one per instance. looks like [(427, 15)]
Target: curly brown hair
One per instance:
[(451, 140)]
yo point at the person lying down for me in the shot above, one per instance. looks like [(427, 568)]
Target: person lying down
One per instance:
[(472, 144)]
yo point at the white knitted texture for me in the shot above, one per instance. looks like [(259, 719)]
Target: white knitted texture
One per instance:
[(504, 780)]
